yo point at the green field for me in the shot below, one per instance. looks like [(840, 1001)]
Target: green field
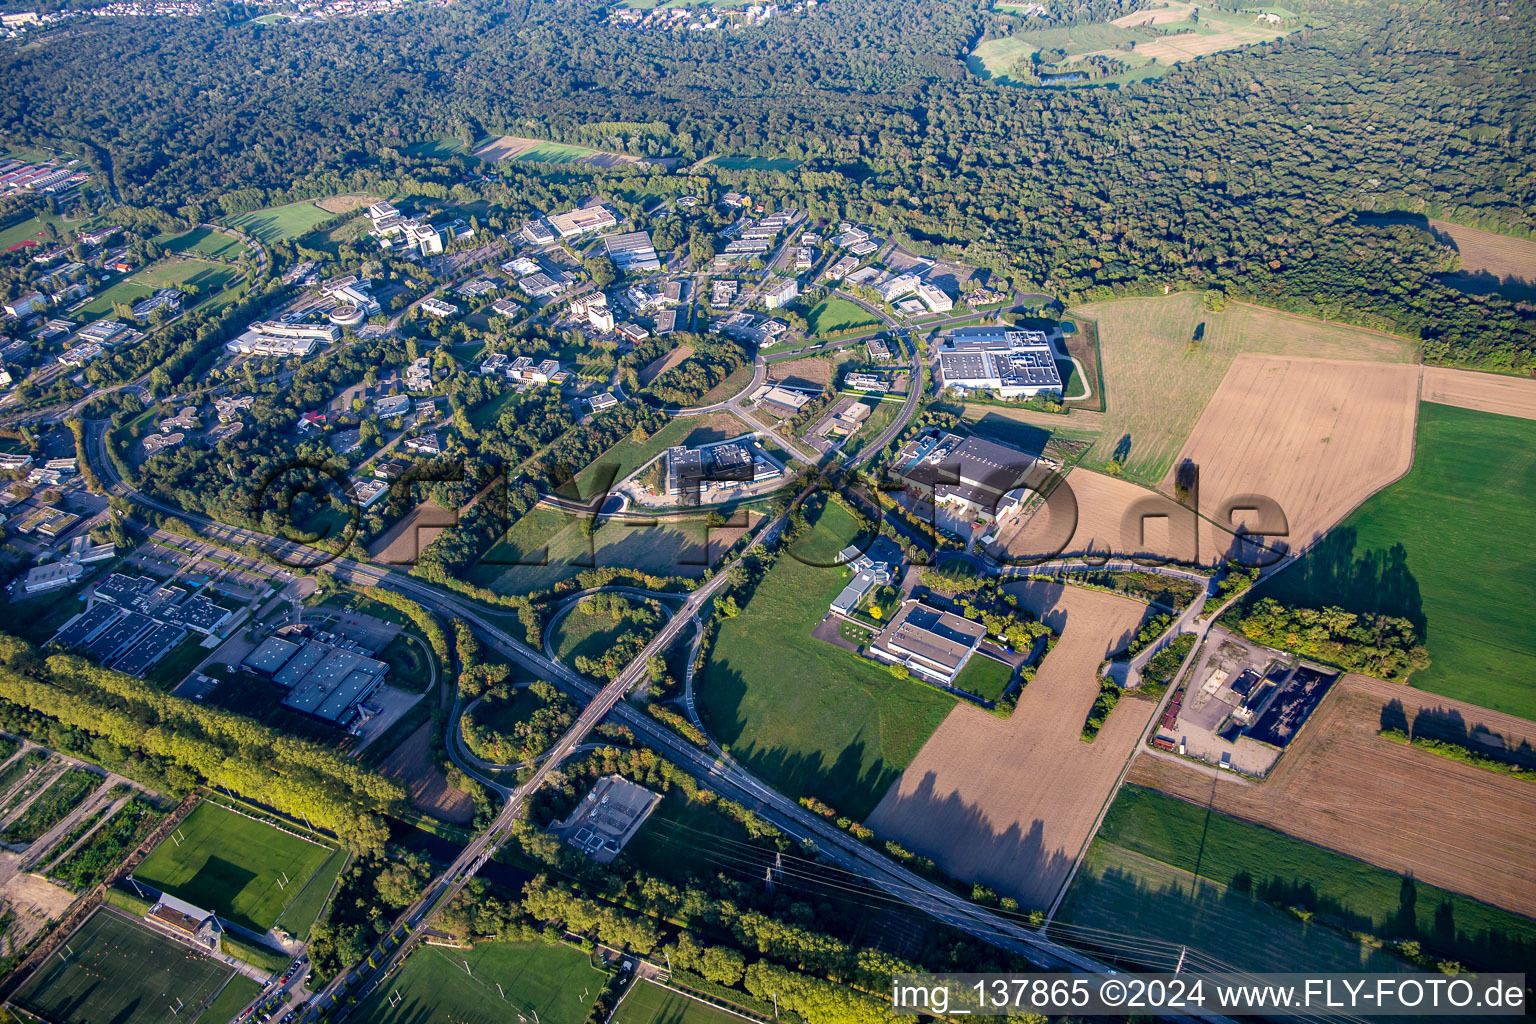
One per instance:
[(280, 223), (984, 677), (812, 718), (1179, 873), (51, 806), (32, 229), (208, 278), (235, 997), (121, 972), (204, 242), (630, 454), (534, 977), (1430, 548), (581, 635), (837, 314), (651, 1004), (547, 546), (234, 866)]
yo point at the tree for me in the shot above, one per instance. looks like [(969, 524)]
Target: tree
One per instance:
[(601, 270)]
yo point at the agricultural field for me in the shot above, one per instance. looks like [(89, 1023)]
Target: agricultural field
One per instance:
[(1485, 392), (118, 970), (281, 223), (1086, 515), (1344, 787), (651, 1004), (1316, 436), (204, 242), (51, 806), (964, 800), (1149, 352), (837, 314), (1490, 262), (541, 151), (234, 866), (533, 978), (1155, 853), (208, 278), (1432, 548), (809, 717)]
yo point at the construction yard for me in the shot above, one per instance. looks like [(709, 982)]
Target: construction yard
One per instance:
[(1344, 787), (1010, 802)]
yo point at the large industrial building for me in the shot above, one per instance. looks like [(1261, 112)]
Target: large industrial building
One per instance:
[(632, 251), (1013, 363), (725, 464), (967, 473), (326, 676)]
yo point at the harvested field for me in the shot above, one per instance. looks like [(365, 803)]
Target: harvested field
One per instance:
[(1317, 436), (411, 763), (1149, 351), (656, 367), (403, 543), (1485, 392), (1341, 786), (350, 201), (815, 372), (1010, 802), (519, 147), (1087, 515), (1488, 252), (1170, 12)]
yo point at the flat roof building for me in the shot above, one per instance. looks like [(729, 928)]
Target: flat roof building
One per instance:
[(578, 222), (1013, 363), (632, 251), (932, 643)]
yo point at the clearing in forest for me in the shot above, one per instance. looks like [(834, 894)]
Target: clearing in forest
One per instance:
[(1010, 802), (522, 148), (660, 365)]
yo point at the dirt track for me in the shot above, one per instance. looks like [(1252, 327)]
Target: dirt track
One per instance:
[(1318, 436), (1486, 392), (1009, 802), (1342, 786)]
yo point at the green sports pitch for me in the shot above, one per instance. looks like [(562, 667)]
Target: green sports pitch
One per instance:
[(114, 969), (652, 1004), (244, 870), (493, 983)]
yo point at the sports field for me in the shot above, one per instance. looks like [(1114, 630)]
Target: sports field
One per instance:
[(235, 866), (1250, 864), (651, 1004), (557, 982), (280, 223), (1158, 378), (1440, 547), (118, 971), (204, 242), (835, 314), (209, 279), (810, 717)]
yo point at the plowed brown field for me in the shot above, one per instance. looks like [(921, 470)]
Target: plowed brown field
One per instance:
[(1090, 517), (1010, 802), (1318, 436), (1485, 392), (1342, 786)]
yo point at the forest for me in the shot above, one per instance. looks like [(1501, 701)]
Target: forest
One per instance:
[(1242, 171)]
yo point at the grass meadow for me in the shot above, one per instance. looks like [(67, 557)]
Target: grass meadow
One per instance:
[(984, 677), (1436, 547), (493, 983), (234, 866), (837, 314), (809, 717), (118, 970), (204, 242), (1155, 853)]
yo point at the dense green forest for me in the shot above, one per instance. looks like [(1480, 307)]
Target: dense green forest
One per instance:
[(1243, 169)]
